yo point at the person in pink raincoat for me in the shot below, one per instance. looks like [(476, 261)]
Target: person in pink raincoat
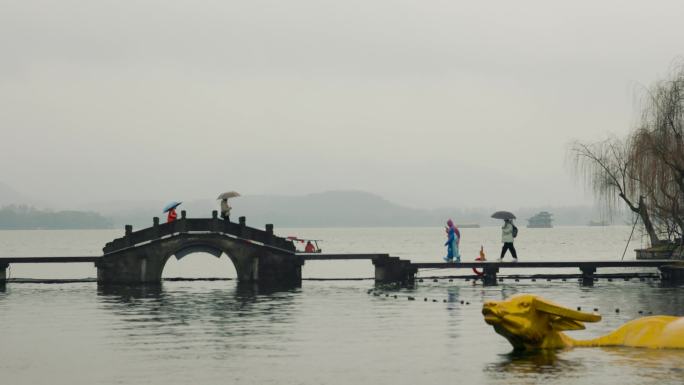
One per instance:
[(453, 240)]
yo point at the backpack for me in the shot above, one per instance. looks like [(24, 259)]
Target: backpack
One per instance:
[(515, 230)]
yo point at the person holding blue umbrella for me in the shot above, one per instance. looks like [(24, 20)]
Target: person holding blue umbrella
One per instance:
[(171, 209)]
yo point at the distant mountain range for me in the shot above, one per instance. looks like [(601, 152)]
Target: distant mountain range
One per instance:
[(336, 209), (326, 209), (29, 218)]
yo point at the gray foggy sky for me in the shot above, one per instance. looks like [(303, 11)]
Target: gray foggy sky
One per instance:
[(428, 103)]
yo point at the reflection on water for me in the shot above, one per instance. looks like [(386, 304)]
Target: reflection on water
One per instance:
[(649, 364), (324, 332), (180, 319), (598, 365), (547, 363)]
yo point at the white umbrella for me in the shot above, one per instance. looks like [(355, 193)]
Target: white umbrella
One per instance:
[(228, 194)]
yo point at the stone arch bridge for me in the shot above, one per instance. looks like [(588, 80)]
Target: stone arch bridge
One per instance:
[(258, 255)]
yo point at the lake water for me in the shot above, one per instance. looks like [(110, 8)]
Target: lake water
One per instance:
[(326, 332)]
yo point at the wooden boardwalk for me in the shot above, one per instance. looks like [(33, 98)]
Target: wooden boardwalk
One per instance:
[(260, 255), (340, 257), (84, 259), (490, 269), (540, 264), (492, 263)]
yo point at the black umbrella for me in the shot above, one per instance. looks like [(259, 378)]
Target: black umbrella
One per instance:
[(503, 215)]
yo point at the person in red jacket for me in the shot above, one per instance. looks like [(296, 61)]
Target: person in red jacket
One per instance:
[(172, 216), (309, 248)]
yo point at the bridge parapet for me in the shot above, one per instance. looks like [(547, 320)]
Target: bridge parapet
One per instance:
[(197, 225)]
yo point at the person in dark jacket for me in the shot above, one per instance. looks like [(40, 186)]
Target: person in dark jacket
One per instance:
[(507, 239)]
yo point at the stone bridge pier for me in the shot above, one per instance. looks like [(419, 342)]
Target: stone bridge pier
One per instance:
[(253, 262), (394, 270)]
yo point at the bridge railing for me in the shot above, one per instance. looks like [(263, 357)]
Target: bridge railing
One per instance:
[(195, 225)]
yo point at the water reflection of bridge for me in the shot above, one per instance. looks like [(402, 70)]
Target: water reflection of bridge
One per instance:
[(262, 257)]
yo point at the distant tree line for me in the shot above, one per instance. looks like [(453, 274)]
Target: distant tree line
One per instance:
[(22, 217), (645, 170)]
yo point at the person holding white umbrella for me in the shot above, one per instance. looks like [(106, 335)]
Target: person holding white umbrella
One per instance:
[(225, 207)]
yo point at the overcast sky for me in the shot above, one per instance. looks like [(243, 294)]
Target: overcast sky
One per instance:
[(427, 103)]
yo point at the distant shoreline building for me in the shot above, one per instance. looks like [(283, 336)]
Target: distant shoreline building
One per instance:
[(540, 220)]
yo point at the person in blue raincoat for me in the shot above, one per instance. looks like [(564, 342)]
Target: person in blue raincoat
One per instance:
[(453, 239)]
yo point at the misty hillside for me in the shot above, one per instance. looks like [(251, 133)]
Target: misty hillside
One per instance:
[(337, 209), (14, 217), (325, 209)]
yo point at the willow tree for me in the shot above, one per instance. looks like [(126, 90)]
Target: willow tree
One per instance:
[(608, 170), (657, 153)]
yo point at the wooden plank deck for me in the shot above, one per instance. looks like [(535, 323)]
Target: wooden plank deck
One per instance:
[(339, 257), (82, 259), (541, 264)]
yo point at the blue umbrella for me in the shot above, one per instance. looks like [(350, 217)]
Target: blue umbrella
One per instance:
[(171, 206)]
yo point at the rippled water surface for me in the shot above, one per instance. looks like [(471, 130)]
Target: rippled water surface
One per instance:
[(326, 332)]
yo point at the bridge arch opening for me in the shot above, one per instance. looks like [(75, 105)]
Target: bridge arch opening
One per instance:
[(199, 261)]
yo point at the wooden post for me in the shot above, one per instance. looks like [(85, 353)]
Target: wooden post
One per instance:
[(672, 274), (489, 278), (3, 273), (588, 275)]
